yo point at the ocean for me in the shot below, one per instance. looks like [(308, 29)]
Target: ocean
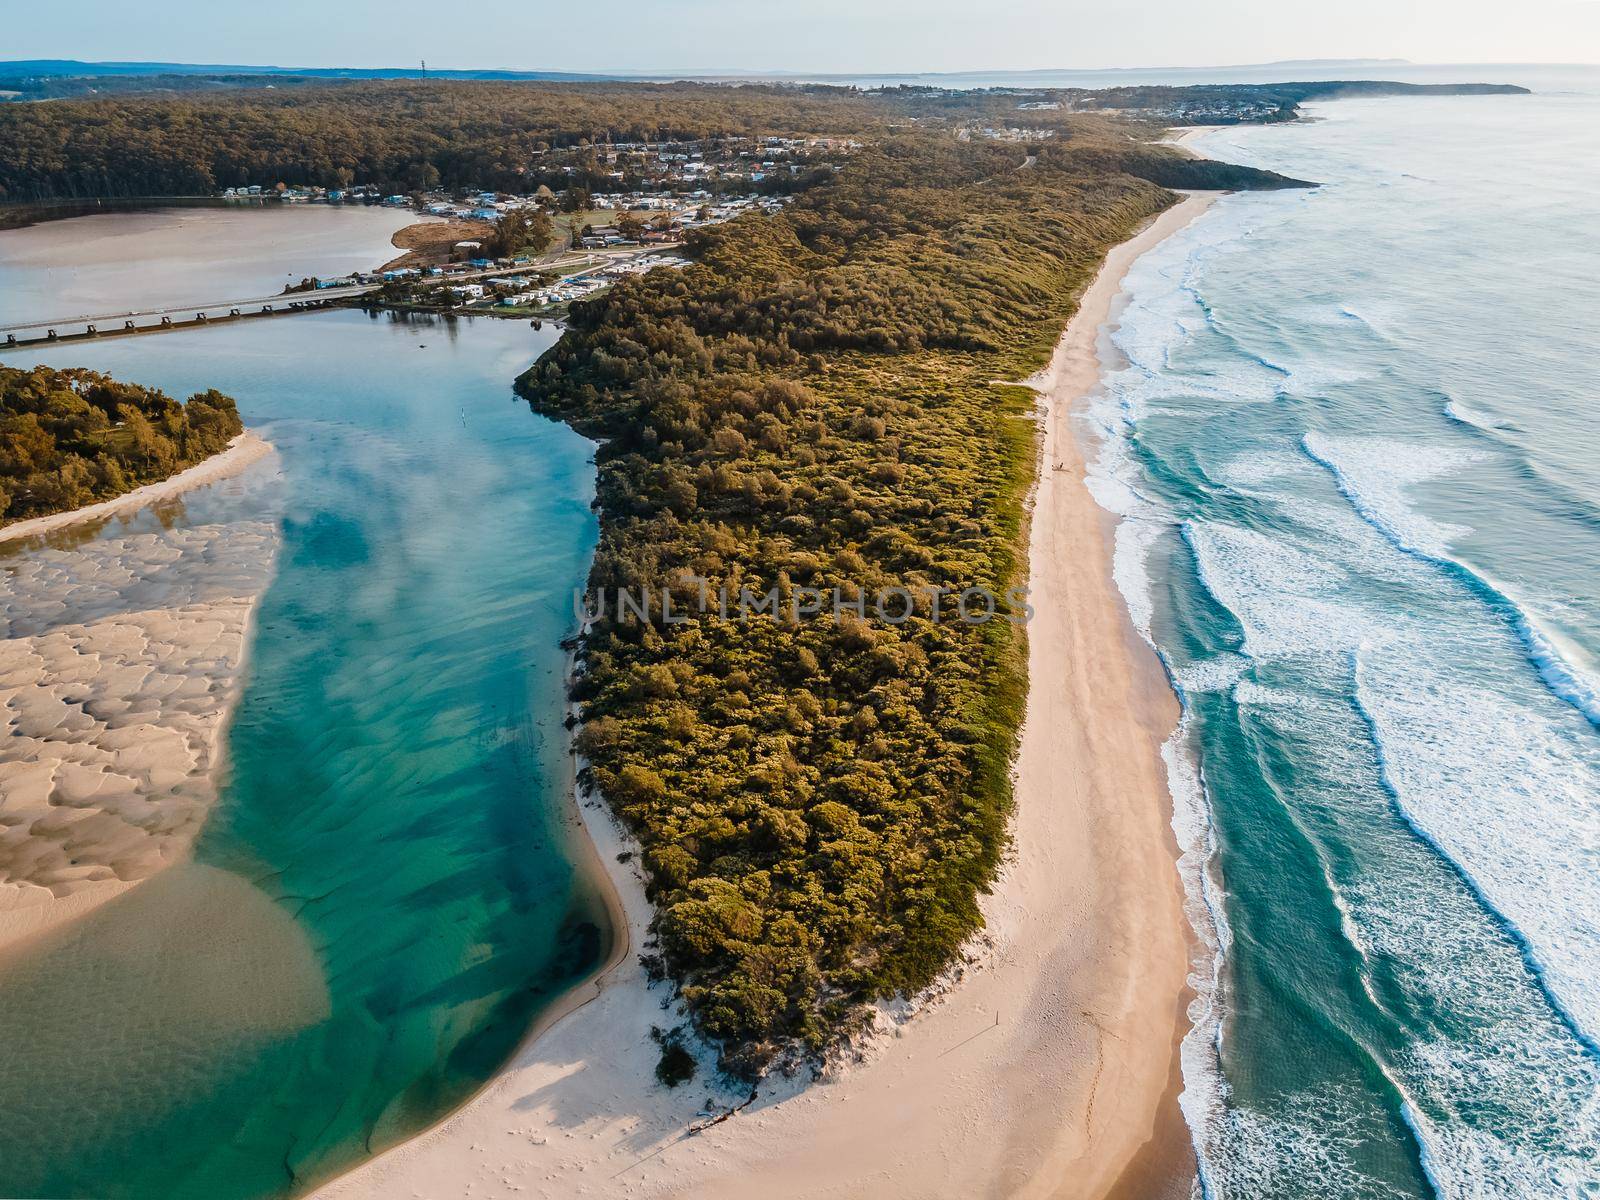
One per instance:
[(390, 888), (1351, 434)]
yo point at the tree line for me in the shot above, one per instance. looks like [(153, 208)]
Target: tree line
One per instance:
[(401, 136), (73, 437), (409, 136)]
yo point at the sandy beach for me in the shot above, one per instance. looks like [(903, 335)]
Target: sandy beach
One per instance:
[(120, 661), (1046, 1066), (1183, 139), (243, 450)]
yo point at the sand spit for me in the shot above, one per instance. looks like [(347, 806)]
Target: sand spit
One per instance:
[(243, 450), (1047, 1067), (120, 661)]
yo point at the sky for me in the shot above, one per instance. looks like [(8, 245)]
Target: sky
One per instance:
[(798, 35)]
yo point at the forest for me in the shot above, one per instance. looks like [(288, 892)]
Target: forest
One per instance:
[(407, 136), (411, 135), (818, 402), (74, 437), (400, 136)]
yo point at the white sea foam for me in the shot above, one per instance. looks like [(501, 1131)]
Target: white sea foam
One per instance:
[(1461, 761), (1312, 1147), (1375, 475), (1292, 603), (1459, 757), (1288, 602), (1215, 674), (1499, 781), (1467, 415)]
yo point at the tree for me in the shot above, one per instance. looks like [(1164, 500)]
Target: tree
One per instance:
[(70, 437), (630, 226), (541, 232), (518, 230)]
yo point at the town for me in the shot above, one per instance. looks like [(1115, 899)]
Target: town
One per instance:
[(590, 214)]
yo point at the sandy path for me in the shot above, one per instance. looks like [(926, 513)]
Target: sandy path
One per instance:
[(1048, 1071)]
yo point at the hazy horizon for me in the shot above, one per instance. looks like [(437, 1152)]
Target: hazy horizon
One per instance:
[(829, 37), (739, 71)]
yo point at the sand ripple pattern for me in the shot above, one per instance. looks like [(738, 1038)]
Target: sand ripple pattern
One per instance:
[(120, 662)]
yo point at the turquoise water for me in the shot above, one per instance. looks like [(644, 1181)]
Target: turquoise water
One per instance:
[(385, 896), (1353, 437)]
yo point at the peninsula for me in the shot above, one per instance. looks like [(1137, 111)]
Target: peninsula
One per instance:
[(834, 828)]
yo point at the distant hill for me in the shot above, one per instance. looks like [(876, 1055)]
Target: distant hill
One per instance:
[(58, 67)]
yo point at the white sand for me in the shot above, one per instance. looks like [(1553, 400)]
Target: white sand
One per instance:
[(1181, 137), (120, 662), (1048, 1070), (243, 450)]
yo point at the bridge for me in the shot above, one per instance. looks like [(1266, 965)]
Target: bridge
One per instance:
[(18, 335)]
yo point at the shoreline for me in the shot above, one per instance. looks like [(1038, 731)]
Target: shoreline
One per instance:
[(190, 741), (1080, 976), (1180, 138), (597, 830), (244, 449)]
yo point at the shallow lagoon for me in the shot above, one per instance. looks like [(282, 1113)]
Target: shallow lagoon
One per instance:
[(385, 897)]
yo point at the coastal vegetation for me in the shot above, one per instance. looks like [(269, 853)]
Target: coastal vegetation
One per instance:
[(817, 406), (411, 136), (73, 437)]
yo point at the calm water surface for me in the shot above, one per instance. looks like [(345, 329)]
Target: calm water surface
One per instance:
[(385, 896), (120, 262)]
